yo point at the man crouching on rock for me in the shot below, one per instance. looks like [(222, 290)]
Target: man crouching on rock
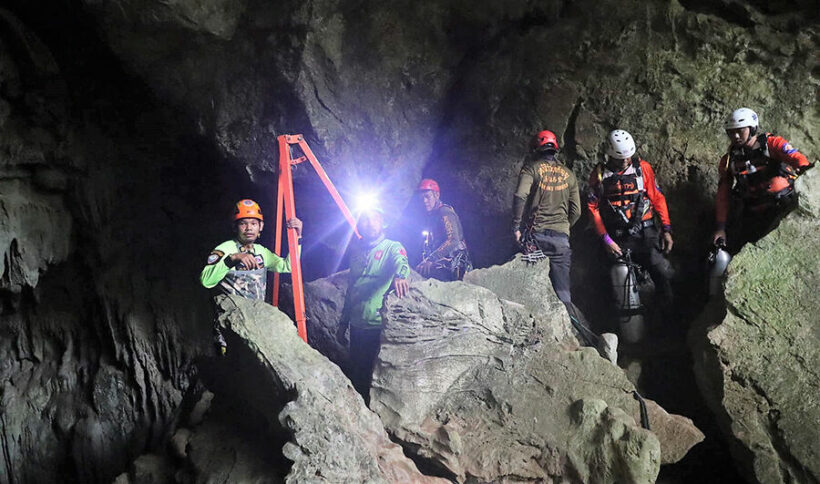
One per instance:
[(377, 265), (239, 266)]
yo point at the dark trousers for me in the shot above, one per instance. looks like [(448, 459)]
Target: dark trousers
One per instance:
[(750, 223), (646, 252), (555, 245), (364, 346)]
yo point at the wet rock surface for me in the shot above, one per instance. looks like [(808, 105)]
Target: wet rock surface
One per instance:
[(458, 377), (757, 365)]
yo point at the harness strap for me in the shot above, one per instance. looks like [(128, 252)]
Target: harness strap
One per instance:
[(639, 198)]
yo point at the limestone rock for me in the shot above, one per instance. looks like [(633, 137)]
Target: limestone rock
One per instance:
[(335, 438), (151, 469), (758, 368), (219, 452), (324, 301), (179, 443), (481, 388), (528, 284)]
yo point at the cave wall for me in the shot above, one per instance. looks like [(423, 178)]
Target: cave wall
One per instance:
[(103, 227), (454, 90), (128, 128)]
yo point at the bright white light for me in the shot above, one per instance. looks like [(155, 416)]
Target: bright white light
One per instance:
[(425, 233), (366, 201)]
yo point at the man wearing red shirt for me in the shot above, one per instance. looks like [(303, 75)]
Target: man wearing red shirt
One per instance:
[(623, 200), (756, 185)]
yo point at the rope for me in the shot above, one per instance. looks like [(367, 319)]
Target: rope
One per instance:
[(644, 413)]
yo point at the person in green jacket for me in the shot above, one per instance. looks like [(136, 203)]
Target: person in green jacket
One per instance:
[(377, 265), (239, 266)]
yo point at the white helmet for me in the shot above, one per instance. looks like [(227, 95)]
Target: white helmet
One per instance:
[(742, 118), (621, 145)]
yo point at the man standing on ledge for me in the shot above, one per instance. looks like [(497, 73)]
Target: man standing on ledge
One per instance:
[(550, 191), (377, 265), (239, 266)]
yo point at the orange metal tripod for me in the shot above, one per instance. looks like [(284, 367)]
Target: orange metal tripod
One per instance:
[(285, 203)]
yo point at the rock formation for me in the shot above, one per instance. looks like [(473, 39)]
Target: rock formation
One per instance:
[(98, 334), (528, 284), (458, 377), (758, 367), (335, 438), (128, 128)]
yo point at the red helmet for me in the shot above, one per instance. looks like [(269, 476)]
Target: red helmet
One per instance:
[(247, 209), (428, 184), (544, 139)]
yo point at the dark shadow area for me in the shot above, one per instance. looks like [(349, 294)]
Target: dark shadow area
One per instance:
[(661, 366), (246, 406)]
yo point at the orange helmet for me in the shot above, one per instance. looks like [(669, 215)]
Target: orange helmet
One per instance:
[(247, 209)]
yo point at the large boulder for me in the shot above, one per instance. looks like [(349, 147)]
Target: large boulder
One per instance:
[(324, 301), (335, 438), (528, 284), (481, 388), (758, 368)]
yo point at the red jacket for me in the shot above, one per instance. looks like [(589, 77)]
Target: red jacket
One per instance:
[(650, 187), (778, 149)]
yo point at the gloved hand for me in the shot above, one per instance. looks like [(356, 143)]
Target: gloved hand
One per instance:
[(804, 169)]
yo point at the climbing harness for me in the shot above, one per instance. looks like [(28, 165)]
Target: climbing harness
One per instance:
[(631, 198), (531, 253), (755, 168)]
